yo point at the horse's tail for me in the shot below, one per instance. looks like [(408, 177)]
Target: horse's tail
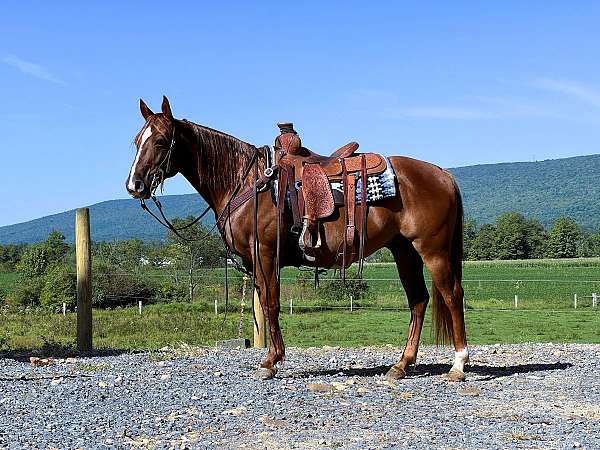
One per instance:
[(442, 319)]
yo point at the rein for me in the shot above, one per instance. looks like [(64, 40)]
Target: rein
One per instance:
[(158, 179), (234, 202)]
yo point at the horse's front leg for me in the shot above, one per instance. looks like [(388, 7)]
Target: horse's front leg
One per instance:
[(268, 289)]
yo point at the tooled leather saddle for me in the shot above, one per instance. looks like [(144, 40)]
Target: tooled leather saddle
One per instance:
[(305, 181)]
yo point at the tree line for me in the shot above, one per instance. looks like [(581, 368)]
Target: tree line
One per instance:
[(123, 271), (173, 270), (513, 236)]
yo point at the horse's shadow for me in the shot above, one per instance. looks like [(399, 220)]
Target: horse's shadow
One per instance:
[(428, 370)]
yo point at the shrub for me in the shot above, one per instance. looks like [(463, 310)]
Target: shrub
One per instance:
[(306, 278), (58, 287), (169, 291), (113, 287), (39, 258), (336, 290), (26, 292), (34, 262), (381, 255)]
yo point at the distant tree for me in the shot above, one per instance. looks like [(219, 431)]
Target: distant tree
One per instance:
[(510, 238), (587, 244), (563, 239), (58, 287), (56, 246), (469, 233), (595, 243), (197, 250), (537, 239), (35, 263), (10, 255), (127, 255), (483, 245), (39, 257)]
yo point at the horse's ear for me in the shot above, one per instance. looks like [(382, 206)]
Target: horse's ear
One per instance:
[(146, 112), (166, 108)]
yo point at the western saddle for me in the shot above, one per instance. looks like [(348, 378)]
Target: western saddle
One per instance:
[(305, 179)]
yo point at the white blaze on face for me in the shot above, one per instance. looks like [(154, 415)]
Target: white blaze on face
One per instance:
[(145, 135), (460, 359)]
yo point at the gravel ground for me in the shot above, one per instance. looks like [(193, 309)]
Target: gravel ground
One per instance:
[(516, 396)]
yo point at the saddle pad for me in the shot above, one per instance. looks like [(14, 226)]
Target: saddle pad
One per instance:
[(379, 187), (318, 198)]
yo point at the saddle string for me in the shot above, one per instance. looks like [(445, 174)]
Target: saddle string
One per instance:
[(364, 210)]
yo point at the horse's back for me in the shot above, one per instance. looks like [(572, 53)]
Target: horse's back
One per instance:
[(428, 194)]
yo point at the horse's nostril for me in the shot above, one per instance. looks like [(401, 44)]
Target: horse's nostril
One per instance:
[(138, 185)]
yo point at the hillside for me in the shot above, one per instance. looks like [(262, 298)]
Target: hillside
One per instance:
[(110, 220), (544, 190)]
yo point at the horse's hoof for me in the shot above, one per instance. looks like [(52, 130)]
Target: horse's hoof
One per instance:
[(395, 373), (454, 375), (264, 373)]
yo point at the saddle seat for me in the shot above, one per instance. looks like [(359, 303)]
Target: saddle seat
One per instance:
[(307, 177)]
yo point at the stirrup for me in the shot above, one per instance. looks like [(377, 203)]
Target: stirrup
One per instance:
[(302, 243)]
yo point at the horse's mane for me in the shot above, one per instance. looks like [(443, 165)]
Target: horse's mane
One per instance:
[(222, 157)]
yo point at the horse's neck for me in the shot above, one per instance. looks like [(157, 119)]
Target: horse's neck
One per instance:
[(227, 165)]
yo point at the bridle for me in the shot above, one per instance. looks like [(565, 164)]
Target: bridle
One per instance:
[(158, 179), (159, 176), (233, 203)]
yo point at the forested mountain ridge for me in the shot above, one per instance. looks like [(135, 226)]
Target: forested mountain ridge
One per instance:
[(544, 190)]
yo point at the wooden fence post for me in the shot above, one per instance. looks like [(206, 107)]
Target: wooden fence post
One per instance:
[(260, 332), (291, 306), (84, 280), (140, 307), (594, 299), (516, 301), (575, 301)]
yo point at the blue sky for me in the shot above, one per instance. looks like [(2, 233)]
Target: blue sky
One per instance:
[(454, 83)]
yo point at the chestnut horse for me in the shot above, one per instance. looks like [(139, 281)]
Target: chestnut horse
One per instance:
[(423, 224)]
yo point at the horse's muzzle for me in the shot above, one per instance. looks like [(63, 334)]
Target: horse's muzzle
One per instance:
[(137, 188)]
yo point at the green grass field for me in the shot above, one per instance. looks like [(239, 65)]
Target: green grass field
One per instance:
[(539, 284), (545, 289), (161, 325)]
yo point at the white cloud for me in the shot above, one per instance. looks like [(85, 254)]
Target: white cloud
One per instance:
[(388, 104), (35, 70), (571, 89)]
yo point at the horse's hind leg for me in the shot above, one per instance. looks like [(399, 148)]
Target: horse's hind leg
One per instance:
[(410, 270), (448, 317)]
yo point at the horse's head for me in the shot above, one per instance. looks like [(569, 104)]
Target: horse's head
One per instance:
[(153, 160)]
